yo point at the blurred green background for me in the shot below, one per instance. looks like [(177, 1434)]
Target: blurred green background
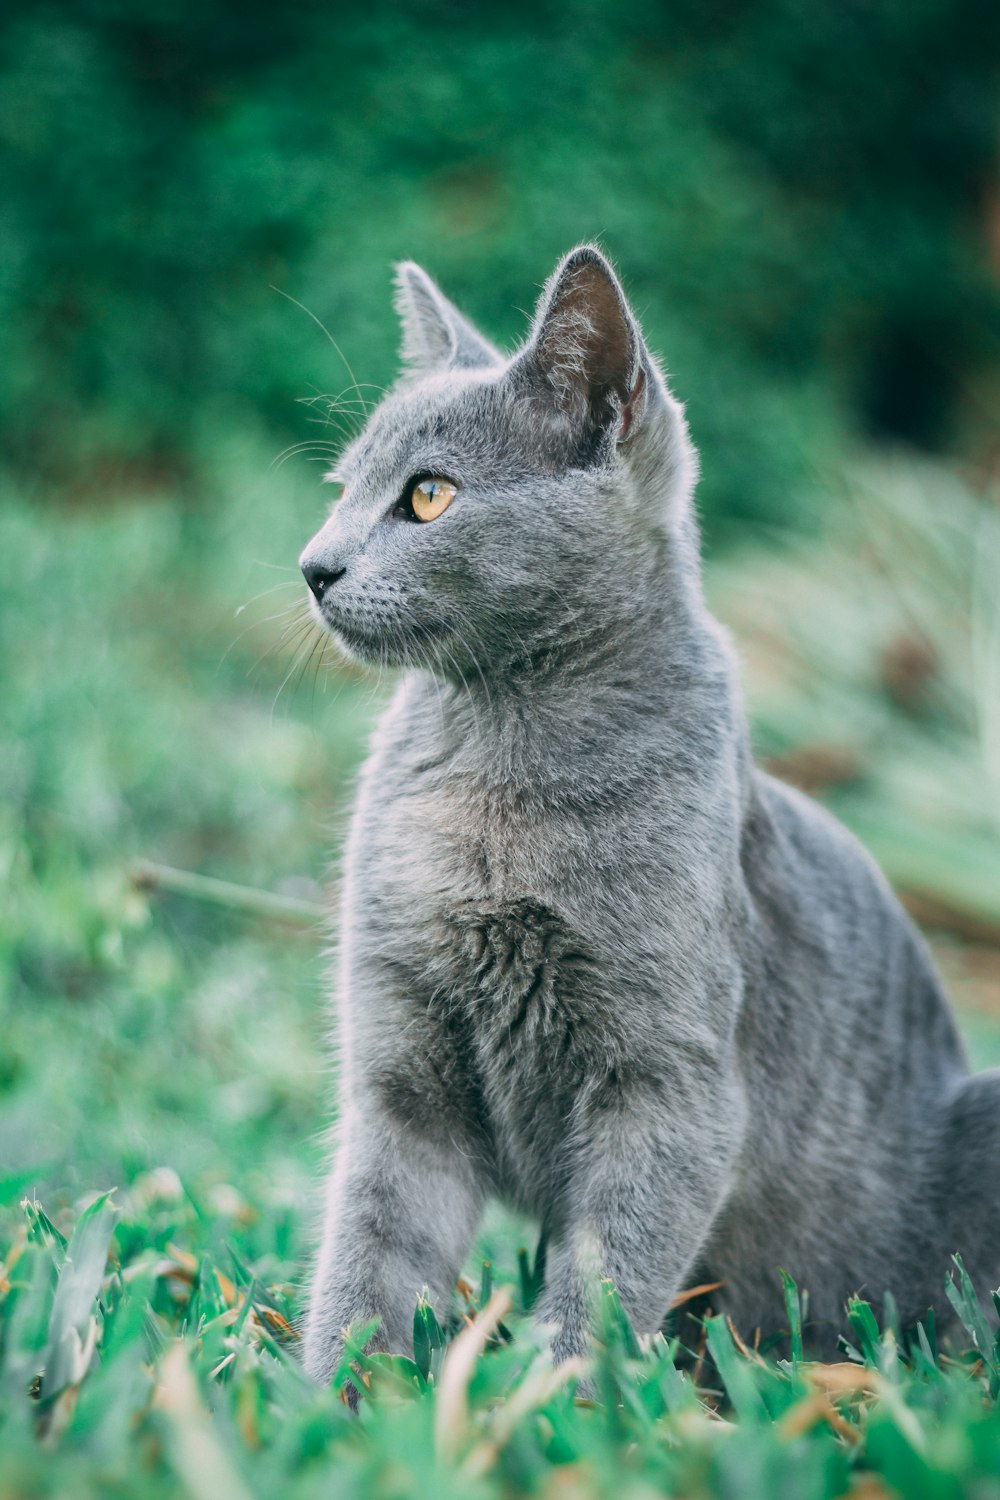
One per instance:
[(200, 208)]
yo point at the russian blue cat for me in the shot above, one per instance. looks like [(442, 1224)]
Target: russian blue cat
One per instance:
[(592, 960)]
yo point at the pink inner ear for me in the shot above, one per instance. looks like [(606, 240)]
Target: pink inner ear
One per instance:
[(586, 329), (606, 344), (629, 409)]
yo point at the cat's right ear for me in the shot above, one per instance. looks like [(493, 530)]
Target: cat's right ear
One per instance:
[(435, 334)]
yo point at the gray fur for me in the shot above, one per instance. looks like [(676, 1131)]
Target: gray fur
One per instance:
[(591, 959)]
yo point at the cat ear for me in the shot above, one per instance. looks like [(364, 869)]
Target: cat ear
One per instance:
[(435, 334), (585, 347)]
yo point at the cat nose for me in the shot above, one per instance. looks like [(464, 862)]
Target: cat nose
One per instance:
[(320, 578)]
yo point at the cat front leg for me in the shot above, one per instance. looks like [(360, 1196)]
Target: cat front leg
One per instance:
[(400, 1212), (644, 1192)]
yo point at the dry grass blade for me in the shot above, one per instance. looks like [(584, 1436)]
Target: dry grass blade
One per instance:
[(451, 1415), (741, 1344), (201, 1464), (843, 1379), (538, 1387), (695, 1291), (812, 1409), (276, 1323), (870, 1487)]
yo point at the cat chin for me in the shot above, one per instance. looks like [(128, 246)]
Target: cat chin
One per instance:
[(367, 651), (413, 647)]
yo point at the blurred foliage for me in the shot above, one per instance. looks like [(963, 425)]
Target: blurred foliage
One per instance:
[(799, 197), (872, 658), (147, 714)]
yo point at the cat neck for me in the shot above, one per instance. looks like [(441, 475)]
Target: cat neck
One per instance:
[(612, 695)]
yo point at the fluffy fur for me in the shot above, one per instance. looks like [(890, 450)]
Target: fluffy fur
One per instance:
[(591, 959)]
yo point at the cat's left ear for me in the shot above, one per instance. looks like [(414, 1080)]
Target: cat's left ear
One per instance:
[(586, 351), (435, 334)]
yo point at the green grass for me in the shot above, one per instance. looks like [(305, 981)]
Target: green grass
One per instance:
[(150, 1355), (172, 1048)]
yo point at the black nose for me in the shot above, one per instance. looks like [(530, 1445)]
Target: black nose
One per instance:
[(320, 578)]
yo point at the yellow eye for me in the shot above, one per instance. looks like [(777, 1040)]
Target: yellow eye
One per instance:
[(431, 498)]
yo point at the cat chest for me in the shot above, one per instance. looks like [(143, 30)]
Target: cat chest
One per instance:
[(514, 1012), (528, 1013), (526, 980), (525, 975)]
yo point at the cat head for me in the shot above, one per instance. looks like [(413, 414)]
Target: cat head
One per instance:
[(495, 510)]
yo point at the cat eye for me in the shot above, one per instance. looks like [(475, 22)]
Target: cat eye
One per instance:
[(430, 498)]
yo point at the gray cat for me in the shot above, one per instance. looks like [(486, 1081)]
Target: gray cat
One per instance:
[(593, 961)]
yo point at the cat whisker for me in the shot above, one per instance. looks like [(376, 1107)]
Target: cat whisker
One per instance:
[(317, 445), (286, 583), (293, 635), (312, 662), (261, 562), (439, 688), (257, 624), (297, 661), (323, 328), (342, 418), (320, 663), (465, 683)]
